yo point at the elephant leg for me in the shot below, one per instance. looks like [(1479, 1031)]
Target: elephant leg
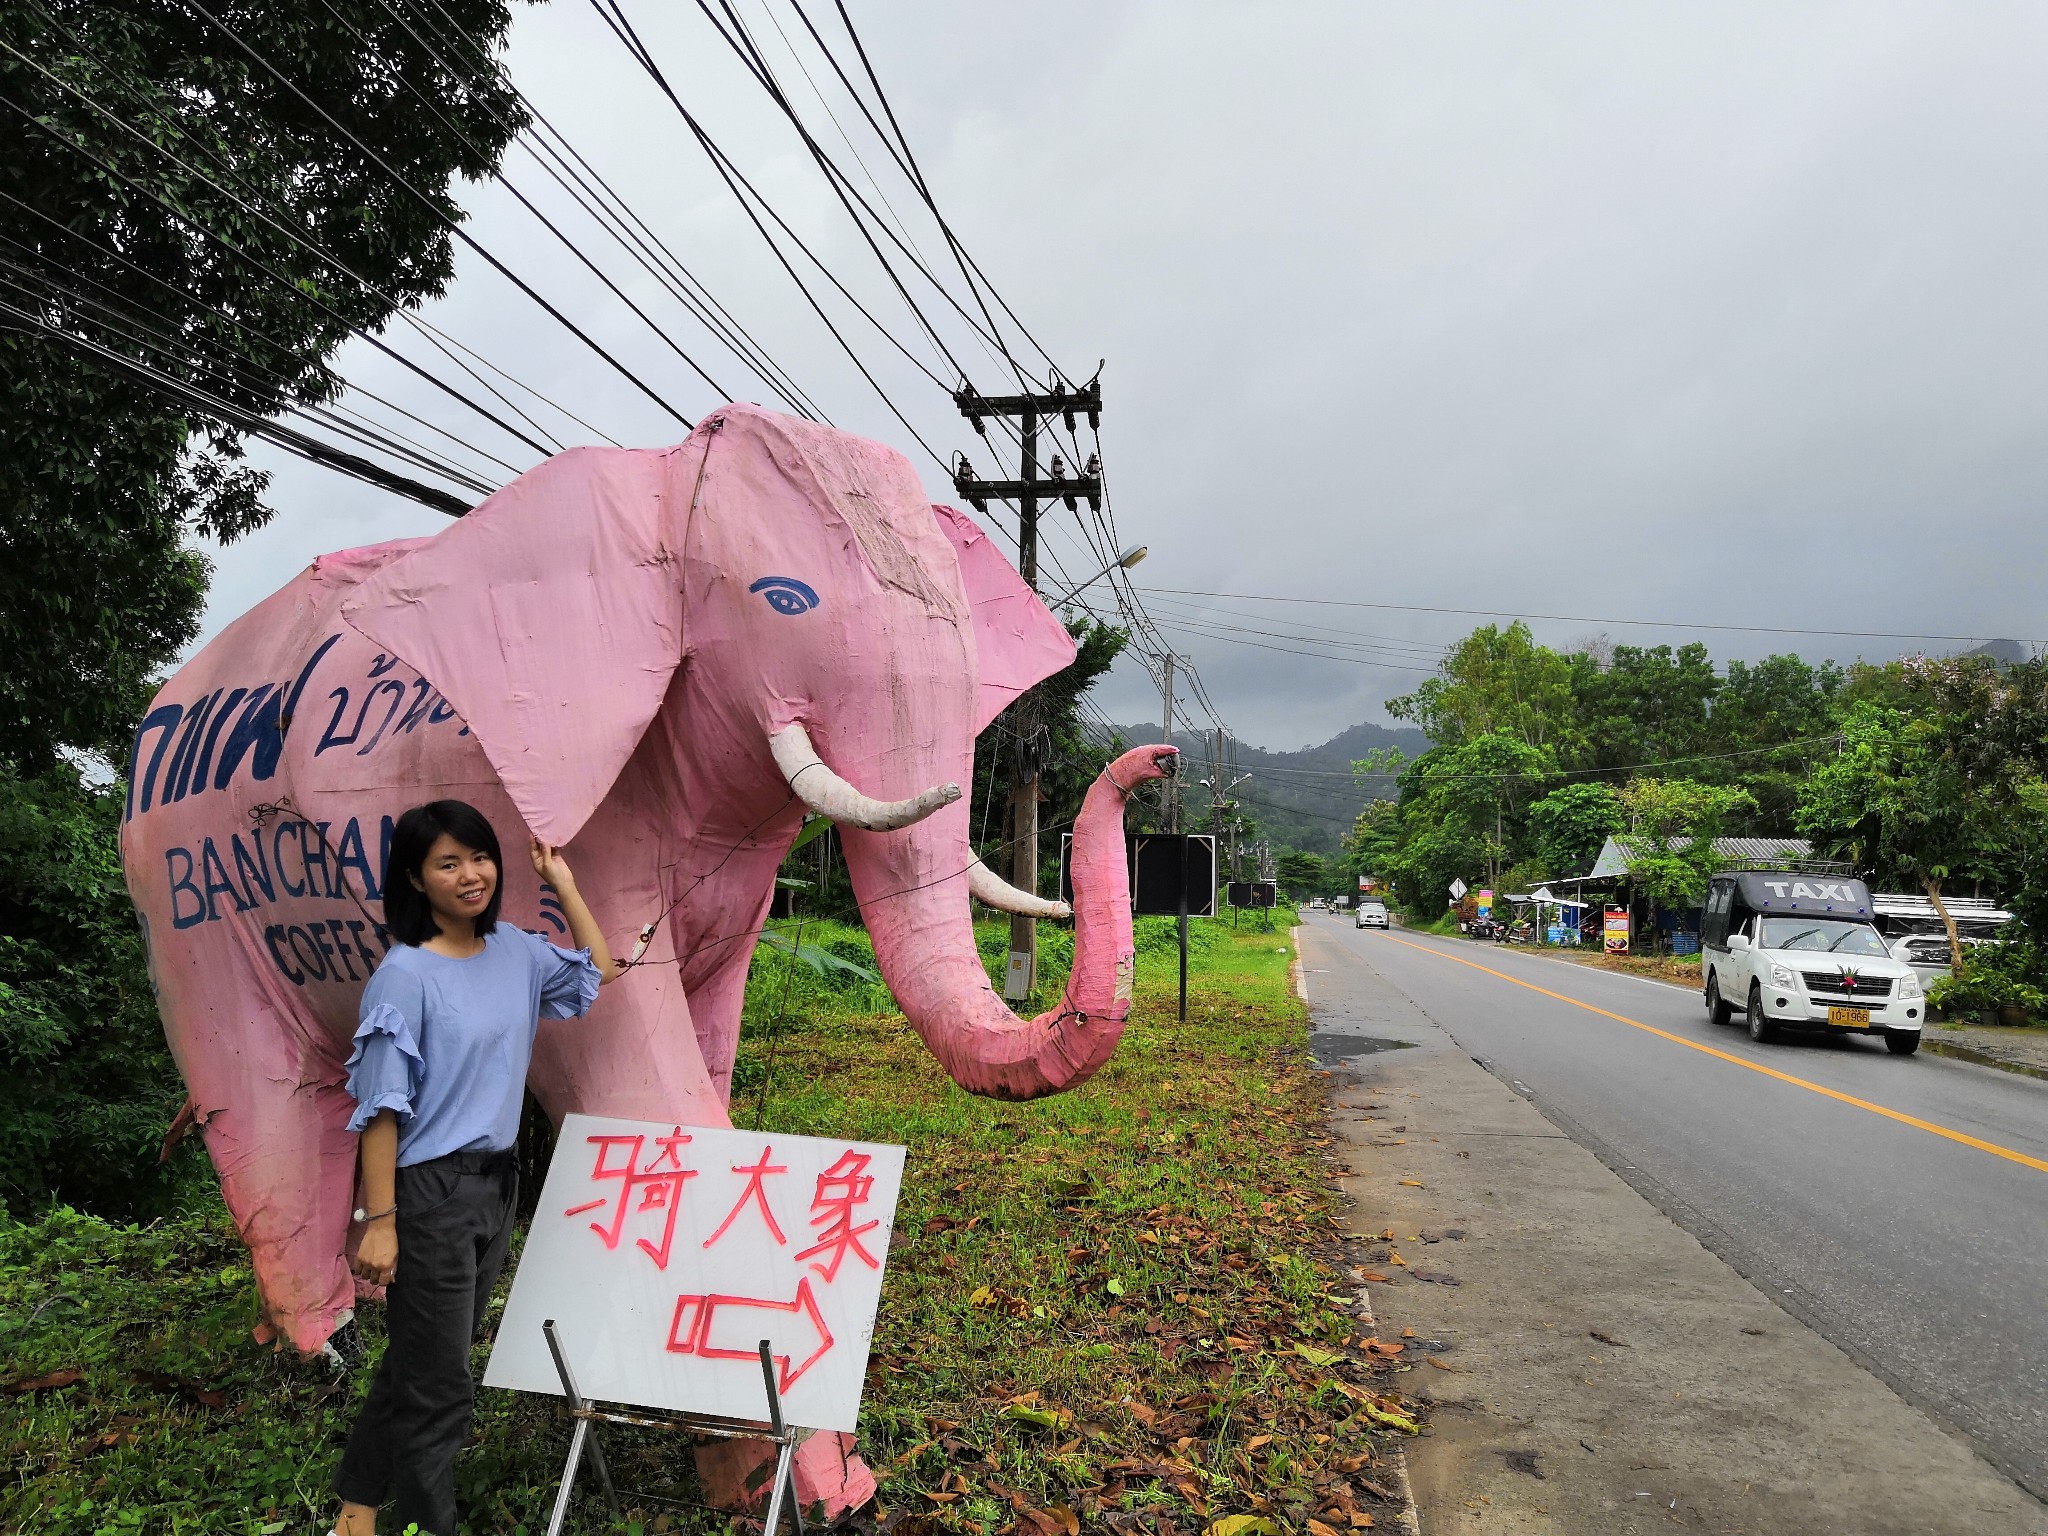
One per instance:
[(634, 1055), (717, 976), (275, 1121), (736, 1473)]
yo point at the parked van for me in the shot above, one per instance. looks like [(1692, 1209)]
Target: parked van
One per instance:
[(1801, 952)]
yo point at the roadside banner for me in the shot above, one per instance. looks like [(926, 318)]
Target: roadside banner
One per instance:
[(1616, 929), (1485, 901), (666, 1253)]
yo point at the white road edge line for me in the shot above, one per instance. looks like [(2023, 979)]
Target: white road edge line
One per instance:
[(1409, 1519)]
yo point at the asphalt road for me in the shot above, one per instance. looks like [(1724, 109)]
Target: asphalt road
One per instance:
[(1922, 1256)]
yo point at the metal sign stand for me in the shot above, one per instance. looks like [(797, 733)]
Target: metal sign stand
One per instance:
[(584, 1437)]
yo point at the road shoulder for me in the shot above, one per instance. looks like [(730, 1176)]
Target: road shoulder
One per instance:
[(1591, 1366)]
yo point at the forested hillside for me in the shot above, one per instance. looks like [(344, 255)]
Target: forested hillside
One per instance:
[(1300, 800)]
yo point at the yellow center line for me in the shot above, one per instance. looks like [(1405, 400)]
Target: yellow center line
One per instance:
[(1784, 1077)]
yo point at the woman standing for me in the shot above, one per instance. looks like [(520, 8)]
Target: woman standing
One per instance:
[(439, 1076)]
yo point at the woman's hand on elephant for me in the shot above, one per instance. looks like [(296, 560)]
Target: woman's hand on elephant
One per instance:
[(377, 1256), (549, 864)]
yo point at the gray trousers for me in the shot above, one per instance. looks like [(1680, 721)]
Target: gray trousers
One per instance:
[(454, 1224)]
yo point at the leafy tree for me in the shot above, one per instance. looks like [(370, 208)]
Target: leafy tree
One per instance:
[(1905, 799), (1649, 705), (1372, 838), (1672, 827), (87, 1086), (1570, 825), (1303, 874), (1498, 680), (1045, 728), (129, 111), (1781, 701), (288, 234), (1459, 812)]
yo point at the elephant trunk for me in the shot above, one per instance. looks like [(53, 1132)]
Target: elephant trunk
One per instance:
[(924, 940)]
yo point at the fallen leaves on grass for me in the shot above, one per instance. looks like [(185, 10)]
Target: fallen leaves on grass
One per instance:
[(49, 1382)]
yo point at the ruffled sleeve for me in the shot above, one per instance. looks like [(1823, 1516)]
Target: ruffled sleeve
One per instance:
[(385, 1068), (568, 980)]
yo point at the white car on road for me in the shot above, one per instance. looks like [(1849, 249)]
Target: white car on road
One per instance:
[(1799, 951), (1373, 914)]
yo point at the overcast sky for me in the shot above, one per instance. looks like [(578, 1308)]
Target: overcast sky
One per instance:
[(1727, 314)]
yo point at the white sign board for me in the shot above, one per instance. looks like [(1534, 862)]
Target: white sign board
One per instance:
[(1458, 889), (666, 1253)]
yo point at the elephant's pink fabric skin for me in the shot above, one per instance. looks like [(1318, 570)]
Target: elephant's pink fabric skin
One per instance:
[(599, 653)]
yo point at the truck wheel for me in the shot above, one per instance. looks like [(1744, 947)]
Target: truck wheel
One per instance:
[(1761, 1029), (1902, 1042), (1718, 1012)]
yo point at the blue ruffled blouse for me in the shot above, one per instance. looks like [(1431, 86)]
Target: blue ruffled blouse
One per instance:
[(445, 1043)]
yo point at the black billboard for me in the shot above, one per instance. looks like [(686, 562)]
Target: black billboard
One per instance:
[(1161, 865)]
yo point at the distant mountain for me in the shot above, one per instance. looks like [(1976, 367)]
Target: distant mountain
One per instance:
[(1304, 799), (2005, 652)]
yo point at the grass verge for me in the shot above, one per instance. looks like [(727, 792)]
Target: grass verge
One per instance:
[(1114, 1309)]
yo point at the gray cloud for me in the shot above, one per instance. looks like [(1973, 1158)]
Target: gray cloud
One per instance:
[(1724, 314)]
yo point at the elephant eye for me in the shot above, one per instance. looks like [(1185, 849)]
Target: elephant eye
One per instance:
[(785, 594)]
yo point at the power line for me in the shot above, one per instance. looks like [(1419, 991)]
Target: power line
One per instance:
[(333, 380), (147, 99), (552, 151), (1559, 618), (184, 353), (1357, 661), (614, 18), (208, 233), (284, 437), (452, 226)]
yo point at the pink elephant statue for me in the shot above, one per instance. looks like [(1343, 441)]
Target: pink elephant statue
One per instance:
[(659, 659)]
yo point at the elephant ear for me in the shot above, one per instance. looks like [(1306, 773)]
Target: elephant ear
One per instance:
[(550, 618), (1017, 640)]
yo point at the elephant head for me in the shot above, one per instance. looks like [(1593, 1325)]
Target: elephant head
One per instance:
[(770, 616)]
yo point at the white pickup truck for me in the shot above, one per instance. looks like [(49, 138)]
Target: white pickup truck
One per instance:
[(1800, 953)]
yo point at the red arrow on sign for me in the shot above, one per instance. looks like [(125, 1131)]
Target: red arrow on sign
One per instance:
[(701, 1313)]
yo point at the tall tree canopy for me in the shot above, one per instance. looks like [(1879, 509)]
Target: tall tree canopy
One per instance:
[(169, 196), (168, 199), (1498, 680)]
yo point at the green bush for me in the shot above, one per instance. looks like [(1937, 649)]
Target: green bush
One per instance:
[(87, 1085), (2010, 974)]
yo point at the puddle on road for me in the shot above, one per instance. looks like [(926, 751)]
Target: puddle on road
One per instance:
[(1333, 1049)]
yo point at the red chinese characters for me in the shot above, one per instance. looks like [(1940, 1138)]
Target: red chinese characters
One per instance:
[(755, 1172), (841, 1189), (660, 1187)]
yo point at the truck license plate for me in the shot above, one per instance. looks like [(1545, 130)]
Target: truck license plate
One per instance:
[(1849, 1018)]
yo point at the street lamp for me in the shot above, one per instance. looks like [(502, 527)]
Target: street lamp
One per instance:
[(1124, 561)]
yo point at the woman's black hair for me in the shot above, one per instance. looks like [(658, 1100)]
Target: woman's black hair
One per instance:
[(406, 911)]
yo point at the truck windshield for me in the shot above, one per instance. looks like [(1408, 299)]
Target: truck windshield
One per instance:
[(1832, 935)]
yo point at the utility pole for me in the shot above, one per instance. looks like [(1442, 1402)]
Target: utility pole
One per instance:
[(1169, 786), (1027, 490)]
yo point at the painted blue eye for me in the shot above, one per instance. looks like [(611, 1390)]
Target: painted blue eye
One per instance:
[(785, 594)]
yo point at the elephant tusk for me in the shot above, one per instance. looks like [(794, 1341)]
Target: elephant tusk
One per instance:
[(992, 890), (829, 795)]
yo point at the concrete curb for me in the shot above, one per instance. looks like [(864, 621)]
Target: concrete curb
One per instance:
[(1295, 973), (1409, 1520)]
